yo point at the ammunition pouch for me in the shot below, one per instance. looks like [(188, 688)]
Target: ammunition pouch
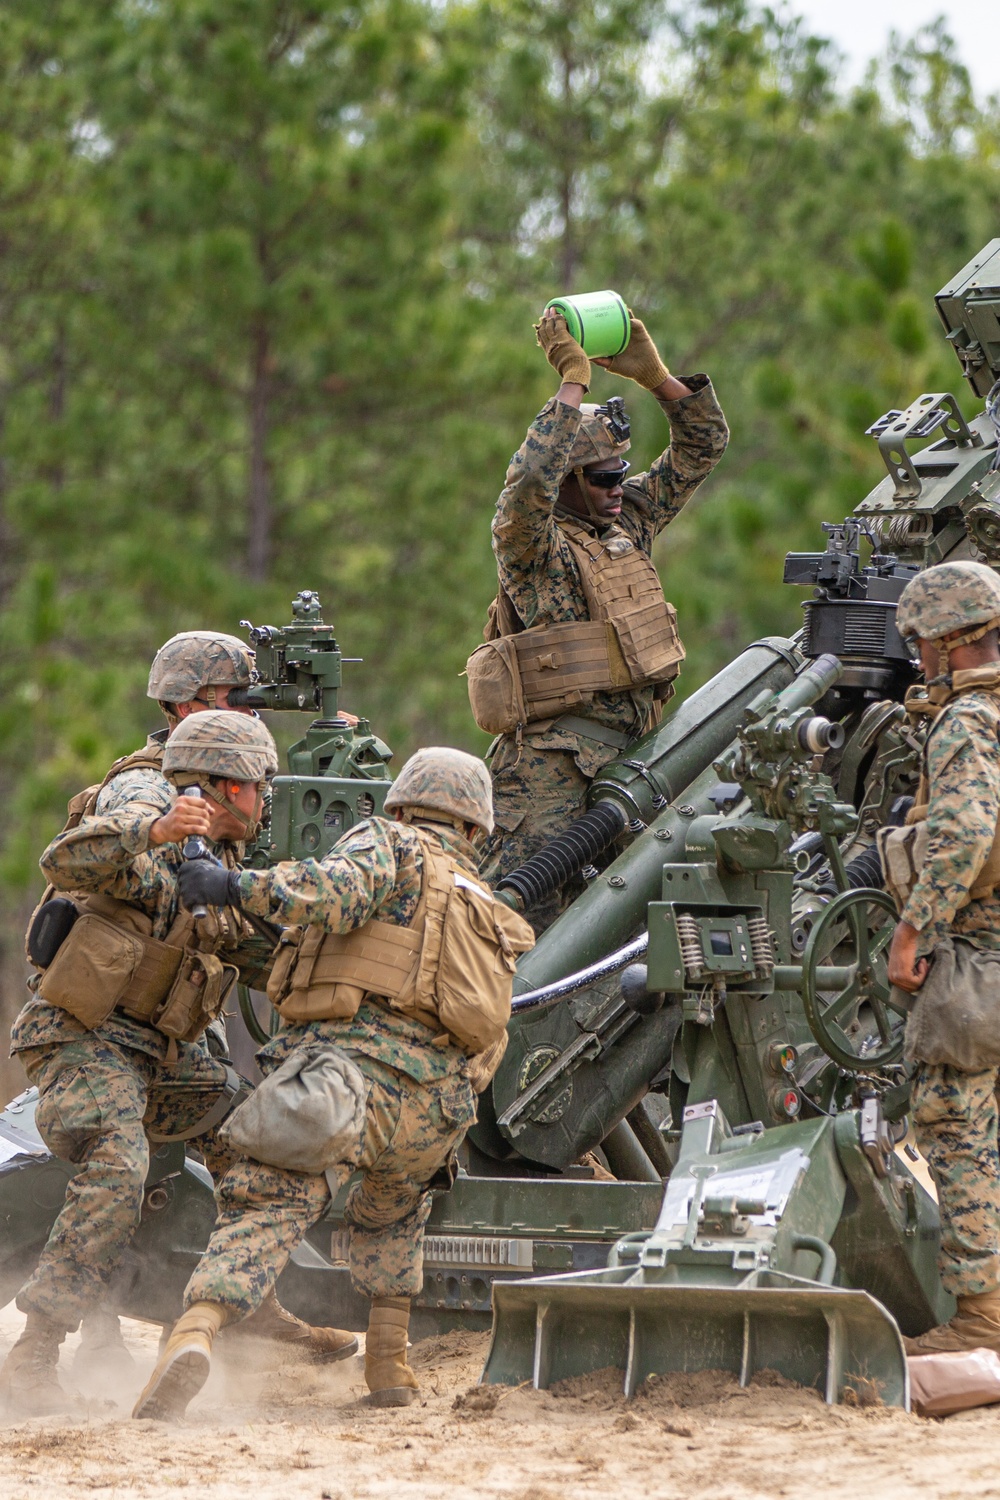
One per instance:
[(108, 961), (481, 1067), (902, 852), (195, 998), (324, 976), (630, 641)]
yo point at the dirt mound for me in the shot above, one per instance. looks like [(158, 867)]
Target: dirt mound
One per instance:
[(294, 1431)]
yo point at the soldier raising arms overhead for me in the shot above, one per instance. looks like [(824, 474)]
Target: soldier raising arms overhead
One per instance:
[(582, 648)]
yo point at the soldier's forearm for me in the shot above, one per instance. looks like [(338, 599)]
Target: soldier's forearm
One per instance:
[(672, 389), (699, 436), (306, 894), (98, 849)]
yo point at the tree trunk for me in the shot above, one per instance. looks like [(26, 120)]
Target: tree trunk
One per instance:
[(259, 500), (567, 184)]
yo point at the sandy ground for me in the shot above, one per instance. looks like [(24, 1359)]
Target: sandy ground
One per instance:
[(291, 1430)]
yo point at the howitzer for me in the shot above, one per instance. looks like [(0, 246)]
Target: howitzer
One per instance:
[(710, 1013)]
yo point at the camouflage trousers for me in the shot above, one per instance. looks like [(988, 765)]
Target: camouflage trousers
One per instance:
[(536, 795), (410, 1131), (96, 1102), (955, 1123)]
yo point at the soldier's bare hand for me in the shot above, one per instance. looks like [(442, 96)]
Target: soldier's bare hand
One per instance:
[(906, 970), (190, 817)]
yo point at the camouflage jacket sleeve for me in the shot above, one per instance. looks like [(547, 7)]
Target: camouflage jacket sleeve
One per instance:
[(110, 854), (963, 768), (698, 439), (337, 893), (524, 532), (140, 789)]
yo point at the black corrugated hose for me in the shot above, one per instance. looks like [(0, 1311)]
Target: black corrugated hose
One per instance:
[(584, 841)]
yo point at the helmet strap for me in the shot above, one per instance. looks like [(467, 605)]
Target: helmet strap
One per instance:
[(251, 825), (591, 508), (945, 648), (411, 814)]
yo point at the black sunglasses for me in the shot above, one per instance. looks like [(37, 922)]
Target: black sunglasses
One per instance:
[(607, 479)]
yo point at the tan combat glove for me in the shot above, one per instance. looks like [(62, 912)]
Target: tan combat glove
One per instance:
[(639, 360), (562, 351)]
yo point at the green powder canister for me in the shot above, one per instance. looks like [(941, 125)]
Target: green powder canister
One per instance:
[(597, 320)]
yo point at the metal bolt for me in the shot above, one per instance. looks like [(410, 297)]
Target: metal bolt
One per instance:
[(618, 881)]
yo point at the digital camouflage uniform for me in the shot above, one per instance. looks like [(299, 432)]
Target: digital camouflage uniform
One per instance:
[(955, 1113), (419, 1105), (540, 785), (100, 1091)]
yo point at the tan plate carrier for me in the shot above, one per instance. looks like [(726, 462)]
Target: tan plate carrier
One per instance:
[(452, 969), (521, 676)]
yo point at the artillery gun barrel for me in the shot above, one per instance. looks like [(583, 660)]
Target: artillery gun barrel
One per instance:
[(674, 759), (810, 684)]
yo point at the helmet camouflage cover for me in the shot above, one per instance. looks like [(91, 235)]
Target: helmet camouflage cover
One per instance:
[(196, 659), (595, 439), (221, 743), (951, 596), (439, 779)]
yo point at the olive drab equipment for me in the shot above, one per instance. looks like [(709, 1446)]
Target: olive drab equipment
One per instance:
[(452, 969), (904, 850), (524, 677)]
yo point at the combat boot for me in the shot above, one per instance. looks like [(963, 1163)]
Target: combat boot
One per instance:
[(101, 1353), (29, 1386), (272, 1321), (387, 1375), (183, 1367), (976, 1325)]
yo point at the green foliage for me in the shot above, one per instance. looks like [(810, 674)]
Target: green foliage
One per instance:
[(267, 275)]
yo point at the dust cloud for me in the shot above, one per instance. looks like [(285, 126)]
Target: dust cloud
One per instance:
[(268, 1427)]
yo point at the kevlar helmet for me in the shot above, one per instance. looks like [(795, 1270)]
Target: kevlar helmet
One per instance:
[(221, 743), (198, 659), (952, 596), (439, 779), (604, 433)]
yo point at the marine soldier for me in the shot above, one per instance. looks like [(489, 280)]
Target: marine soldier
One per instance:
[(395, 993), (949, 923), (582, 648), (112, 1034)]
